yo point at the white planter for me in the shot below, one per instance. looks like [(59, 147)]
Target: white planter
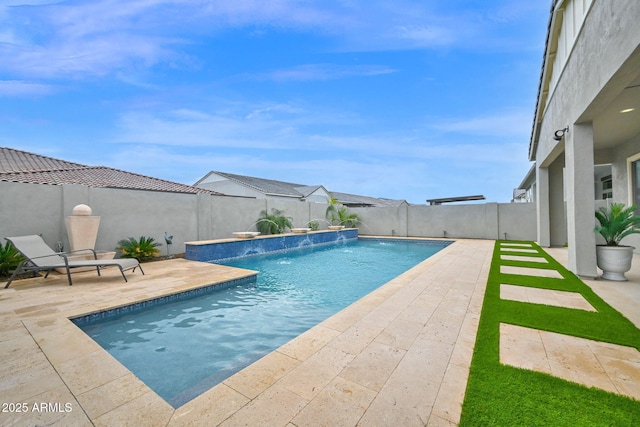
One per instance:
[(246, 234), (614, 261), (300, 230), (335, 227)]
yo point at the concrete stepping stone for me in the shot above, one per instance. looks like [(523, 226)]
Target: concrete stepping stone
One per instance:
[(610, 367), (527, 271), (545, 296), (525, 250), (524, 258)]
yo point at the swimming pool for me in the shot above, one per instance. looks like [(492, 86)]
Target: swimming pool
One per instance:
[(184, 348)]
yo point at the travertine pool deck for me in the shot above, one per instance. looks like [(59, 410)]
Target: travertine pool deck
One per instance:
[(398, 356)]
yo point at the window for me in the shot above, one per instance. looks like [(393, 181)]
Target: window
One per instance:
[(607, 187), (633, 175), (635, 182)]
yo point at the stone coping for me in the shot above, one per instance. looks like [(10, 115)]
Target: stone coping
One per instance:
[(258, 237)]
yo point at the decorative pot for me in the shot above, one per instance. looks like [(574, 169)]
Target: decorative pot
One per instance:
[(301, 230), (246, 234), (614, 261), (335, 227)]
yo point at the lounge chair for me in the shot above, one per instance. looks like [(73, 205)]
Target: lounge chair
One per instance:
[(40, 257)]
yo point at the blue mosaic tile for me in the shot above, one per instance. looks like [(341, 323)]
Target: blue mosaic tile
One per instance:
[(91, 318), (216, 252)]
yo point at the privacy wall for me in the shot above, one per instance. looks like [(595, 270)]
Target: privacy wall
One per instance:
[(41, 209)]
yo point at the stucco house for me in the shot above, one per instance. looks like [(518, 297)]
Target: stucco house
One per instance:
[(585, 139), (358, 201), (262, 188)]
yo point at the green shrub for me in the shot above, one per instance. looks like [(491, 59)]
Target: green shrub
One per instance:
[(338, 214), (143, 249), (10, 258), (275, 223), (617, 222), (314, 225)]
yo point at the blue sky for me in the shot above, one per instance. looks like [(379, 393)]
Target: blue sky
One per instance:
[(399, 99)]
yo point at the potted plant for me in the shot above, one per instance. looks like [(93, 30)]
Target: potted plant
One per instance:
[(616, 222)]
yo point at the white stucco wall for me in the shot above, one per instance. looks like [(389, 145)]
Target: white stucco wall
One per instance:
[(31, 209), (34, 209)]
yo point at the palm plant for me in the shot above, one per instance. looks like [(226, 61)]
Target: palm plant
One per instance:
[(617, 222), (10, 258), (142, 250), (274, 223), (338, 214), (348, 219), (332, 211)]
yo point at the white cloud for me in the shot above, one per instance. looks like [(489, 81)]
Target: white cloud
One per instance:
[(423, 35), (290, 128), (199, 129), (309, 72), (414, 179), (515, 123), (99, 37), (19, 88)]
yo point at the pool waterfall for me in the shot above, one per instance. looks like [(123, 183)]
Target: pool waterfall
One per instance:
[(222, 249)]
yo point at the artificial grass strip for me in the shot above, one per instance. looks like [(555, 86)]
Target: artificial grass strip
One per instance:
[(500, 395)]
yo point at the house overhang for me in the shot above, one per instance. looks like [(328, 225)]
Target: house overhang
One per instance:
[(553, 27)]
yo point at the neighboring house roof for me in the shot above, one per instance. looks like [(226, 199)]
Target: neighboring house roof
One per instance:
[(455, 199), (269, 187), (12, 160), (25, 167), (354, 200), (306, 190), (272, 187), (529, 179)]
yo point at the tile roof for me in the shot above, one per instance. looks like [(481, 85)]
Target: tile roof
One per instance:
[(357, 200), (21, 161), (21, 166), (270, 186), (273, 187)]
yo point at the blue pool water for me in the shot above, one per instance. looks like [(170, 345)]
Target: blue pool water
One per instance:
[(183, 348)]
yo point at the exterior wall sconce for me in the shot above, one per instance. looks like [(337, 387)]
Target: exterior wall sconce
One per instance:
[(559, 134)]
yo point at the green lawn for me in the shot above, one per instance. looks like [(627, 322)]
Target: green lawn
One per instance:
[(499, 395)]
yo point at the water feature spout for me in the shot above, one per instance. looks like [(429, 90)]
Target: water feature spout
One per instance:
[(361, 223), (308, 224), (268, 220), (248, 233)]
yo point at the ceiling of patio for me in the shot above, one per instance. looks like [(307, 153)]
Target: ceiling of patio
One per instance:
[(611, 126)]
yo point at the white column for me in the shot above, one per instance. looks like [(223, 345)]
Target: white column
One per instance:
[(580, 200), (542, 206)]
